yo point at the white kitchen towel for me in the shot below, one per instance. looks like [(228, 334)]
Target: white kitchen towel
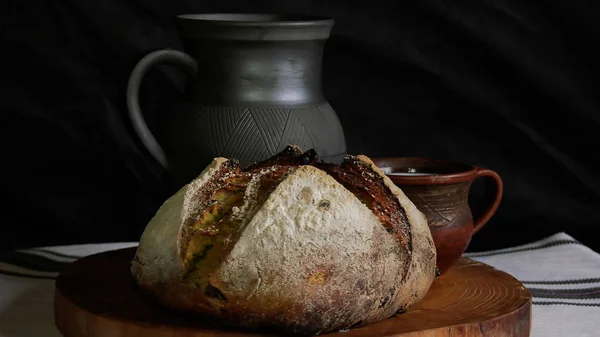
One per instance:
[(27, 287), (563, 277), (562, 274)]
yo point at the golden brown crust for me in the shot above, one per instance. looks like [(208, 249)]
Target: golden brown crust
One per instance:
[(310, 258), (423, 266), (358, 176)]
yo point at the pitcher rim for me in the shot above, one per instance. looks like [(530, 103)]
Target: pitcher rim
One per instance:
[(257, 19)]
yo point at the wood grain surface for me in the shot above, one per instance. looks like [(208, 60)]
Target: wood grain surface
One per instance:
[(97, 297)]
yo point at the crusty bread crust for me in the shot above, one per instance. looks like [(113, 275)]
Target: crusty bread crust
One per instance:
[(158, 254), (423, 265), (312, 259), (335, 264)]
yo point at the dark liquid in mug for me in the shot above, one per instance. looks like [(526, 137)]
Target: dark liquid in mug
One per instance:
[(410, 172)]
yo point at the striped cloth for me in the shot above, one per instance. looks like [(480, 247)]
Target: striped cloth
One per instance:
[(562, 274)]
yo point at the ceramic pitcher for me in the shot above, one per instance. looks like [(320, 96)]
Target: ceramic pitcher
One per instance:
[(254, 87)]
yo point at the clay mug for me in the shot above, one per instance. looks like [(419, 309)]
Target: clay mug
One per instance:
[(440, 189)]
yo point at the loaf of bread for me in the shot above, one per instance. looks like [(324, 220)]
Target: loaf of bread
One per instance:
[(289, 244)]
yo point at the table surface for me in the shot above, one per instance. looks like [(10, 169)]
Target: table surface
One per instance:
[(562, 274)]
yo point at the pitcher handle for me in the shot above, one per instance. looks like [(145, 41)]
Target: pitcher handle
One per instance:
[(491, 199), (180, 59)]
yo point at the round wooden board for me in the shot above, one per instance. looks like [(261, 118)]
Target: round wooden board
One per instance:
[(96, 297)]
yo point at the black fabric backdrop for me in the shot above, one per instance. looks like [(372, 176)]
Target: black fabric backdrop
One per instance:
[(507, 84)]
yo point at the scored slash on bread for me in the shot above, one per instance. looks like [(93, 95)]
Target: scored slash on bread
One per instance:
[(290, 244)]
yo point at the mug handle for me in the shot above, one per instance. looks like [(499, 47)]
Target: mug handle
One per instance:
[(180, 59), (492, 199)]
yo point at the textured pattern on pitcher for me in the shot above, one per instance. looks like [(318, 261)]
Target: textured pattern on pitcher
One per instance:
[(251, 134)]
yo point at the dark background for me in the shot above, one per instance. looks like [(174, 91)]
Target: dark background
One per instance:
[(511, 85)]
